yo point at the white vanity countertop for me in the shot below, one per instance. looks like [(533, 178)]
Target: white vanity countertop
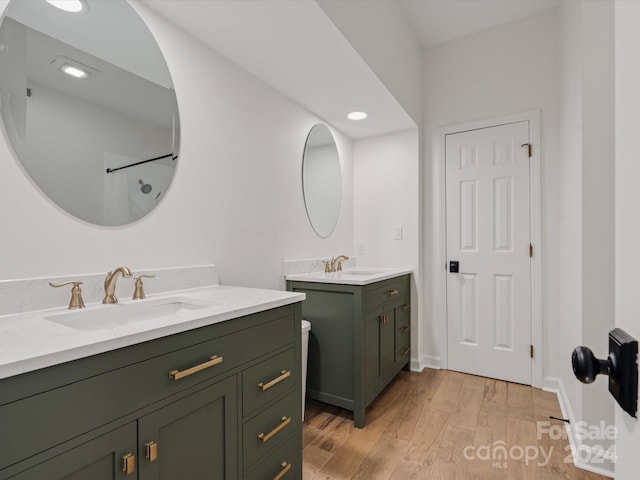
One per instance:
[(352, 276), (28, 341)]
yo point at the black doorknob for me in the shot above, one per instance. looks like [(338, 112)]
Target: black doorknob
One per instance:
[(621, 365), (586, 366)]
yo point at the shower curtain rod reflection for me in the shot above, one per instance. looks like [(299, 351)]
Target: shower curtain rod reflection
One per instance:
[(111, 170)]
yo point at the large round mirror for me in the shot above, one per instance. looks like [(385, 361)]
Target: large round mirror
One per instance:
[(88, 106), (322, 180)]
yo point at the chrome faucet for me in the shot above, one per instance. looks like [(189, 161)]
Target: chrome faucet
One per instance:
[(110, 284), (336, 263)]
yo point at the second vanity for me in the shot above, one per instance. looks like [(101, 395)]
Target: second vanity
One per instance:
[(210, 391), (360, 333)]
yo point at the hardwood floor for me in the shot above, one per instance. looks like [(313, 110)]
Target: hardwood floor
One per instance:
[(440, 424)]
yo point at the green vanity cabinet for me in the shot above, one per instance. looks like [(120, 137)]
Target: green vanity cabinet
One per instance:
[(178, 407), (359, 339)]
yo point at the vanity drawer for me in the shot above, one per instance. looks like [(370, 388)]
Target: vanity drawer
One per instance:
[(268, 380), (266, 431), (283, 463), (386, 291), (65, 412)]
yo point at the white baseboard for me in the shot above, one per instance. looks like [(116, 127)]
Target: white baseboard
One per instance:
[(425, 361), (555, 385), (430, 361)]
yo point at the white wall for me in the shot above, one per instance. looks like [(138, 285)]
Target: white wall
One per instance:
[(236, 199), (568, 235), (586, 240), (598, 210), (387, 195), (505, 70)]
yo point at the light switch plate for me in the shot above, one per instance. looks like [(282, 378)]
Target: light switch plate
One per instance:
[(397, 232)]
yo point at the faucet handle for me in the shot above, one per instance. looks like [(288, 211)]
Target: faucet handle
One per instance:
[(138, 293), (327, 266), (76, 293)]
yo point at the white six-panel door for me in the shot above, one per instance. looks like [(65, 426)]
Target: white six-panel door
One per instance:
[(488, 233)]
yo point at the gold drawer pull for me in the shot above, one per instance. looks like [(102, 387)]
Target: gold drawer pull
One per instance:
[(405, 329), (129, 463), (405, 350), (266, 386), (285, 466), (284, 421), (177, 374), (391, 293), (151, 451), (406, 306)]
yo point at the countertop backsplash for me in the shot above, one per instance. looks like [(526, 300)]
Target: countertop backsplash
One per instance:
[(29, 295), (295, 267)]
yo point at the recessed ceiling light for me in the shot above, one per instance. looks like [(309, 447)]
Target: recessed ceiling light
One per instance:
[(72, 6), (73, 71), (73, 67), (357, 115)]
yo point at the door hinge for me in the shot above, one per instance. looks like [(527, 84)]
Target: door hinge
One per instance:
[(531, 250), (528, 145), (531, 350)]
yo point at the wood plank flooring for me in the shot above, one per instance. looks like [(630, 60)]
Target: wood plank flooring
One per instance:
[(442, 425)]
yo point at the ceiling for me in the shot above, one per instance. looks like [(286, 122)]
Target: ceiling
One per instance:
[(294, 47), (439, 21)]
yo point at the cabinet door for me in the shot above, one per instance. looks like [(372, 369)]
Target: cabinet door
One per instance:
[(195, 438), (380, 345), (388, 341), (97, 459), (372, 330)]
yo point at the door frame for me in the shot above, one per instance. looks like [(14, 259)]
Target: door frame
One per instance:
[(440, 235)]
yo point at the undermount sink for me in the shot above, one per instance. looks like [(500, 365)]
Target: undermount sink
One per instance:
[(107, 317)]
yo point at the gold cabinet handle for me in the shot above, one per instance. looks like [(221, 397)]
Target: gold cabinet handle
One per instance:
[(406, 306), (283, 375), (284, 421), (177, 374), (384, 319), (285, 466), (151, 451), (129, 463), (391, 293), (405, 329), (405, 350)]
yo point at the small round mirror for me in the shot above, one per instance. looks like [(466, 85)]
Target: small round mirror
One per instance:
[(322, 180), (88, 106)]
